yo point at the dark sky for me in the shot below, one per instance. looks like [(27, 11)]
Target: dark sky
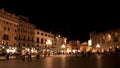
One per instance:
[(73, 20)]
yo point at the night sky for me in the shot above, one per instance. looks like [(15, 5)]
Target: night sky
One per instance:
[(71, 20)]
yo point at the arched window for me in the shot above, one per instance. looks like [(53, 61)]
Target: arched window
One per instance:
[(42, 40), (5, 37), (37, 40)]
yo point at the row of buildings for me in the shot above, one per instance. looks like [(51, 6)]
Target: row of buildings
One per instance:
[(107, 41), (17, 32)]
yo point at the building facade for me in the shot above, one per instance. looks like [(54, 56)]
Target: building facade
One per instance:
[(105, 41), (25, 33), (73, 46), (84, 47), (60, 43), (8, 28), (43, 39), (17, 31)]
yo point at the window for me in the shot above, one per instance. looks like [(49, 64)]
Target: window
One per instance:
[(6, 22), (15, 25), (37, 32), (42, 40), (37, 45), (15, 38), (45, 34), (37, 40), (15, 30), (8, 29), (41, 33), (4, 28), (5, 37), (51, 36), (45, 40), (48, 35)]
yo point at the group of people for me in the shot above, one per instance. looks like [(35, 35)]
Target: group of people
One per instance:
[(26, 54)]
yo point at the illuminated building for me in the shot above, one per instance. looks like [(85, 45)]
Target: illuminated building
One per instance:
[(8, 28), (60, 43), (73, 46), (43, 39), (84, 47), (106, 41), (15, 31), (18, 31), (25, 32)]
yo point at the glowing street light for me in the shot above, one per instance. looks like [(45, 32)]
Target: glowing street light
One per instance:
[(48, 42), (98, 46), (63, 46)]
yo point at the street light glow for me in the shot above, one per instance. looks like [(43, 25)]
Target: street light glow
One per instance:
[(48, 42), (63, 46), (98, 45)]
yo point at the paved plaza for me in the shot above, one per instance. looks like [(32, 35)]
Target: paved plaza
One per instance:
[(96, 61)]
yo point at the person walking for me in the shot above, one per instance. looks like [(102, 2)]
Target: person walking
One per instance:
[(38, 55), (29, 56), (23, 55), (7, 56)]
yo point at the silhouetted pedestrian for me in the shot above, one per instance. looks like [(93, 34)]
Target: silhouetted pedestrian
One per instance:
[(23, 55), (7, 56), (29, 56)]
